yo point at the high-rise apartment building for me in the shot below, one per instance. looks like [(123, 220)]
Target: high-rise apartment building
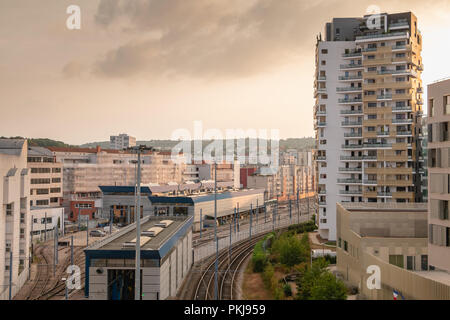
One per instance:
[(438, 123), (368, 113), (14, 216), (122, 141)]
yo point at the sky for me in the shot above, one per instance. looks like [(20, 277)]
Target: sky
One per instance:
[(150, 67)]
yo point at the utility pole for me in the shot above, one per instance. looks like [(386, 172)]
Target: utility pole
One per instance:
[(201, 223), (87, 230), (71, 250), (238, 217), (234, 219), (56, 243), (265, 212), (290, 211), (251, 215), (216, 266), (45, 225), (257, 209)]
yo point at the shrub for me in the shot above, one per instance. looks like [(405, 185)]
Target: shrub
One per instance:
[(287, 290)]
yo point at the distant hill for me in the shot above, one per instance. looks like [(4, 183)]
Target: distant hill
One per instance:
[(41, 142), (307, 143)]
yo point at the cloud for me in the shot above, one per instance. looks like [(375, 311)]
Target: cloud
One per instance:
[(216, 38), (203, 38)]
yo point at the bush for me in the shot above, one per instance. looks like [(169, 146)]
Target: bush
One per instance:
[(259, 257), (287, 290)]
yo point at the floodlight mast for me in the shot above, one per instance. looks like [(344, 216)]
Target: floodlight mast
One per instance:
[(137, 212)]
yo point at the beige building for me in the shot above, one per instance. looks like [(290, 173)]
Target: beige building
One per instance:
[(122, 141), (439, 174), (367, 114), (14, 215), (393, 238), (46, 178)]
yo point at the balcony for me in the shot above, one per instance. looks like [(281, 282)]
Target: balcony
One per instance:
[(353, 135), (370, 182), (351, 158), (351, 112), (349, 181), (382, 36), (404, 133), (321, 78), (351, 146), (352, 54), (321, 113), (349, 89), (350, 192), (399, 25), (351, 123), (321, 158), (401, 120), (384, 97), (377, 145), (322, 203), (354, 100), (350, 169), (369, 49), (370, 158), (384, 194), (402, 109), (321, 124), (351, 66), (350, 78)]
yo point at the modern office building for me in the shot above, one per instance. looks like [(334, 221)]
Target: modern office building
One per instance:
[(368, 112), (122, 141), (439, 174), (14, 216), (46, 178)]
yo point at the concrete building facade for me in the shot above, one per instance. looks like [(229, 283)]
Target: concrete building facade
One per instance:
[(438, 123), (14, 215), (122, 141)]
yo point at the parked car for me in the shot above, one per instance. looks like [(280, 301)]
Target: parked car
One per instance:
[(97, 233)]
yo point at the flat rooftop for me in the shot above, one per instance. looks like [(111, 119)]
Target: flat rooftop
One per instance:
[(436, 275), (116, 240)]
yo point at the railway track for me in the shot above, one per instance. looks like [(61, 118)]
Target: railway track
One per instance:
[(229, 267), (42, 276)]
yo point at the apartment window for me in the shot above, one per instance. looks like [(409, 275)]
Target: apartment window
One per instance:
[(323, 63), (345, 246), (40, 181), (56, 170), (396, 260), (424, 262), (41, 202), (56, 180), (324, 96), (371, 57), (55, 190), (372, 69), (53, 200), (22, 233), (410, 262), (41, 191), (340, 243), (446, 104), (324, 51), (40, 170), (372, 105), (431, 108)]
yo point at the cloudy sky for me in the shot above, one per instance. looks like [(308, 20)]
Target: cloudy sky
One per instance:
[(149, 67)]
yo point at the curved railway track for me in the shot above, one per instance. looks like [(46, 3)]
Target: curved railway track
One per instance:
[(228, 270)]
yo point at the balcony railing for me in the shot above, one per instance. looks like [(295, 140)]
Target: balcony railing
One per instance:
[(353, 135), (350, 192), (349, 180), (382, 35), (384, 96), (351, 111), (351, 123), (354, 100), (370, 181), (351, 146), (404, 133), (350, 169), (351, 158), (321, 158), (384, 194), (351, 66), (399, 24), (401, 120), (405, 108), (352, 54), (377, 145), (347, 89), (350, 78)]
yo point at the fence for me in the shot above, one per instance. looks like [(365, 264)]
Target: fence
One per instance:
[(204, 251), (16, 286)]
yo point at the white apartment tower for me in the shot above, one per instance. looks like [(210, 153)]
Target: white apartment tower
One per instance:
[(368, 113), (122, 141)]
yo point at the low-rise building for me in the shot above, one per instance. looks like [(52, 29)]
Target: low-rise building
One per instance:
[(122, 141), (390, 238)]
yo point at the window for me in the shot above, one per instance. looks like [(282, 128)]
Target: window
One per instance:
[(9, 209), (55, 190), (410, 262), (396, 260), (41, 202), (324, 51), (340, 243), (431, 107), (345, 246), (40, 170), (41, 191), (323, 63), (446, 104), (40, 181), (56, 170), (56, 180), (424, 262)]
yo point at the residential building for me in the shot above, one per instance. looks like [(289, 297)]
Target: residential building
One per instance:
[(122, 141), (368, 113), (195, 172), (85, 169), (439, 174), (46, 178), (387, 241), (14, 216)]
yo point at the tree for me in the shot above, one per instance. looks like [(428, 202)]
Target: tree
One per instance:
[(317, 283)]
